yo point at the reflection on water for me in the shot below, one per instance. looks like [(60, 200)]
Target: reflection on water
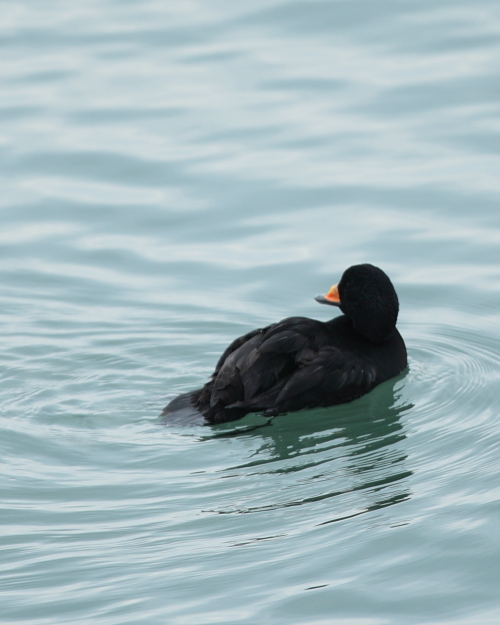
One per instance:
[(362, 453)]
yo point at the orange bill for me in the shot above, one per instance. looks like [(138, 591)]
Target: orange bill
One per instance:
[(332, 297)]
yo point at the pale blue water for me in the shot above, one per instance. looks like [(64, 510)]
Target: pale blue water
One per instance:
[(175, 174)]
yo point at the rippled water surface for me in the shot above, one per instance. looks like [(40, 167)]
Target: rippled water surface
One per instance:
[(175, 174)]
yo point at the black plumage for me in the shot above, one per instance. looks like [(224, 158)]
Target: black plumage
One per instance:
[(303, 363)]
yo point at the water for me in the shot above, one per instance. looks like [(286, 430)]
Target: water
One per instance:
[(176, 174)]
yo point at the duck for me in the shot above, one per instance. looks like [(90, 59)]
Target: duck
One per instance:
[(301, 363)]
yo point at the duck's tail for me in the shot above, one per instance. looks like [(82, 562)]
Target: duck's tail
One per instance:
[(182, 411)]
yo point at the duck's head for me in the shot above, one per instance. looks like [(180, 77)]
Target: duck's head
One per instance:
[(366, 296)]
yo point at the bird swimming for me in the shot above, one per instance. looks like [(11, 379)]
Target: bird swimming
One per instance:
[(301, 363)]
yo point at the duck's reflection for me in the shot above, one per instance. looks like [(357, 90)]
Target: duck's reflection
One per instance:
[(352, 450)]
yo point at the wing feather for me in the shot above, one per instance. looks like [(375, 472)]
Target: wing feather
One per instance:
[(333, 376), (288, 365)]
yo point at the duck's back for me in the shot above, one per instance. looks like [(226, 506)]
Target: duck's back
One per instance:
[(294, 364)]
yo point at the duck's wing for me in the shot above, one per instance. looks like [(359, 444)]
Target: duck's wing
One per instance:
[(332, 376), (237, 343), (261, 365)]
